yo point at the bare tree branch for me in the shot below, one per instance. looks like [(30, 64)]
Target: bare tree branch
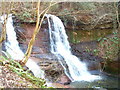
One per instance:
[(37, 28)]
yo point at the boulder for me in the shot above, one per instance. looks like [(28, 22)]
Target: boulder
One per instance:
[(63, 79)]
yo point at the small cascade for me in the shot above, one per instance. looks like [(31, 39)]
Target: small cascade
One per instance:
[(59, 44), (13, 49), (12, 46)]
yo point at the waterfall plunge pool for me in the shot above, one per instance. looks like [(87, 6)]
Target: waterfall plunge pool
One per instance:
[(105, 83), (80, 36)]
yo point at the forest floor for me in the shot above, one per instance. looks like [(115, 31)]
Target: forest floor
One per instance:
[(9, 79)]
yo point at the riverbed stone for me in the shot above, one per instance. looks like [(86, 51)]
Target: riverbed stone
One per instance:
[(63, 79), (54, 71)]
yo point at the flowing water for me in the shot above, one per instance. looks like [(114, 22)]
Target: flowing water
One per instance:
[(13, 49), (12, 46), (105, 83), (76, 70), (86, 36)]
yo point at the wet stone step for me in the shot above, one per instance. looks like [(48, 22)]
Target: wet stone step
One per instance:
[(44, 64), (45, 56)]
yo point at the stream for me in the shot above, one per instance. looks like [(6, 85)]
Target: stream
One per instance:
[(80, 77)]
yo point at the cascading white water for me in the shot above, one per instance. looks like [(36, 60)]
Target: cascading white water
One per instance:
[(60, 47), (12, 46), (13, 49)]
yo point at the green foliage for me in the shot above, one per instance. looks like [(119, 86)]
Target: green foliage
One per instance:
[(95, 51), (17, 68), (110, 46), (26, 16), (87, 50)]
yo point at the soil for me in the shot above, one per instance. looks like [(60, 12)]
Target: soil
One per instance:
[(9, 79)]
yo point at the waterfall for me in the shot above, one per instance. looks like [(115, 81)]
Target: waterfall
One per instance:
[(59, 44), (13, 49)]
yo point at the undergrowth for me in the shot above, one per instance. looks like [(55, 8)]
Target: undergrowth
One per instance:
[(17, 68)]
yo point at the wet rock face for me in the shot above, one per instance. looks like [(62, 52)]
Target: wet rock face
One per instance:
[(88, 21), (89, 58), (21, 34), (24, 34), (47, 56), (54, 71), (81, 48)]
